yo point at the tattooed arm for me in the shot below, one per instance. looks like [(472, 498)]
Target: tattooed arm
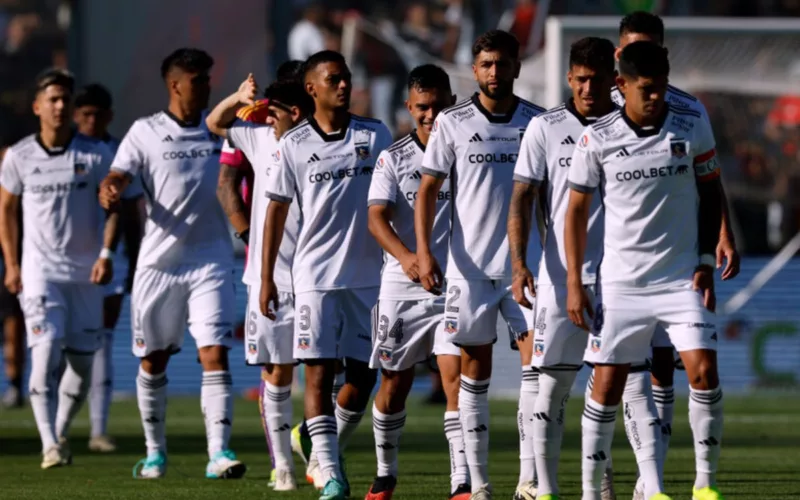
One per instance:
[(230, 197), (519, 229)]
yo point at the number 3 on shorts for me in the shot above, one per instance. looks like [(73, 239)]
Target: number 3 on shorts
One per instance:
[(304, 317), (383, 329)]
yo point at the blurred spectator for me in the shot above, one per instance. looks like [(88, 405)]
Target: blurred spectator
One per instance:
[(306, 37)]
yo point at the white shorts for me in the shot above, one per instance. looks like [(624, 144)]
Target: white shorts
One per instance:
[(557, 342), (165, 301), (472, 308), (334, 324), (69, 312), (625, 322), (404, 333), (266, 341)]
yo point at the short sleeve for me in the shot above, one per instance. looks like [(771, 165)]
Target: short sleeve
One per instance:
[(130, 158), (10, 177), (706, 165), (531, 167), (383, 186), (440, 153), (231, 156), (242, 135), (584, 171), (281, 178)]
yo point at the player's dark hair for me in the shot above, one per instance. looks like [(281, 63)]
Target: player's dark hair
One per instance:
[(429, 76), (645, 59), (55, 76), (322, 57), (496, 40), (187, 59), (93, 94), (643, 23), (291, 70), (289, 93), (593, 52)]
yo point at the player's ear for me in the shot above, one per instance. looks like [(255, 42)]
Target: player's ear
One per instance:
[(621, 83), (569, 77), (35, 105), (296, 114), (310, 89), (617, 53)]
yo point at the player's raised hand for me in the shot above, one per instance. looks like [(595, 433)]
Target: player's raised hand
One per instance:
[(13, 279), (102, 271), (522, 279), (410, 266), (577, 303), (248, 90), (430, 274), (703, 282), (268, 297), (726, 250)]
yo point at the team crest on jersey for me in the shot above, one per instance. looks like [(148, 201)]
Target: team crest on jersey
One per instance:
[(595, 345), (37, 329), (538, 349), (450, 326), (678, 148), (276, 156), (303, 343), (385, 354), (380, 163), (139, 342), (584, 141), (252, 348), (80, 168), (362, 140)]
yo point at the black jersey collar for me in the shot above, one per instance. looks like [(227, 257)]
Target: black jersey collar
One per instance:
[(334, 137), (492, 117), (183, 123), (650, 131), (415, 138), (55, 152), (570, 105)]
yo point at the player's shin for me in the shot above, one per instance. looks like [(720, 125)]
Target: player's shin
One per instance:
[(262, 409), (320, 420), (664, 398), (151, 394), (599, 415), (102, 385), (548, 425), (387, 430), (278, 419), (45, 359), (217, 405), (73, 389), (706, 419), (353, 399), (643, 430), (528, 391), (474, 411)]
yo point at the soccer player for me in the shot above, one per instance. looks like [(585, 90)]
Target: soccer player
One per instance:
[(476, 143), (408, 321), (543, 164), (183, 274), (327, 162), (53, 177), (268, 343), (93, 114), (656, 168), (644, 26)]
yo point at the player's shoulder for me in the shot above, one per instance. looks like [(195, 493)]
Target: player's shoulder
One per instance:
[(551, 117), (528, 109), (458, 112), (359, 122), (616, 96), (403, 149), (149, 124), (607, 128), (681, 99), (85, 144), (297, 135), (23, 148)]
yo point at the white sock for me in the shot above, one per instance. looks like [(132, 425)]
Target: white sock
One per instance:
[(217, 404), (528, 390), (587, 397), (598, 432), (102, 385), (459, 471), (346, 424), (548, 426), (151, 394), (643, 430), (473, 402), (325, 444), (42, 387), (73, 389), (664, 398), (387, 430), (278, 416), (705, 417), (338, 383)]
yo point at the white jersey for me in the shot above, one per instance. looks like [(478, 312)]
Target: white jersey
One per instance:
[(676, 97), (647, 178), (178, 164), (395, 182), (544, 160), (329, 174), (479, 151), (62, 221), (260, 146)]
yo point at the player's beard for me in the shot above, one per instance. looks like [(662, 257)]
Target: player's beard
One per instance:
[(503, 90)]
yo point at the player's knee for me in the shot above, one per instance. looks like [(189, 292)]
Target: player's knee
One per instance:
[(608, 384), (214, 358), (359, 375), (450, 370), (476, 362), (393, 391), (703, 375), (663, 368), (279, 375), (155, 363)]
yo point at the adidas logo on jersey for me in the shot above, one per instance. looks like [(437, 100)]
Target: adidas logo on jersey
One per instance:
[(168, 138), (475, 138), (416, 175), (314, 158), (568, 140), (623, 153)]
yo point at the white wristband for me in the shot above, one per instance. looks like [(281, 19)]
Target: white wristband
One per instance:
[(105, 253), (708, 260)]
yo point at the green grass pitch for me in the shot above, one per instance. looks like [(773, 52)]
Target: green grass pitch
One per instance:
[(760, 455)]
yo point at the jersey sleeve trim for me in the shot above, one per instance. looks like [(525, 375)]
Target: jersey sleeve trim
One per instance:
[(279, 198), (122, 171), (433, 173), (706, 166), (526, 180), (580, 188), (379, 202)]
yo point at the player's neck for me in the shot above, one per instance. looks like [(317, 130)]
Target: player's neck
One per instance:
[(183, 115), (601, 109), (645, 120), (497, 106), (331, 120), (55, 138), (422, 136)]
